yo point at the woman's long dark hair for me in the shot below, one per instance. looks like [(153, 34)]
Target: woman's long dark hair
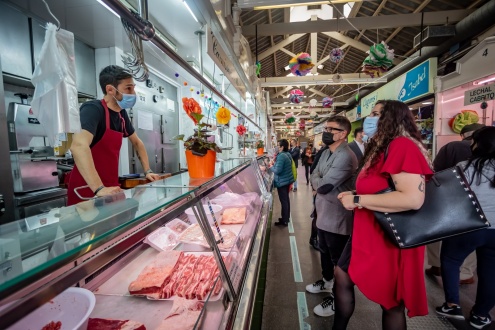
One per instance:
[(395, 120), (483, 153)]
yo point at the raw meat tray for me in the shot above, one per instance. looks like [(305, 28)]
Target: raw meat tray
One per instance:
[(118, 284)]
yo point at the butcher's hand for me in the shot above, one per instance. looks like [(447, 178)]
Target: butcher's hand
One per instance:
[(152, 176), (109, 191)]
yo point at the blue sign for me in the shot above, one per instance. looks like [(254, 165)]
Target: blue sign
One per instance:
[(416, 83)]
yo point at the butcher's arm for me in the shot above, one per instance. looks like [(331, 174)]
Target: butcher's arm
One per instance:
[(138, 145), (84, 160)]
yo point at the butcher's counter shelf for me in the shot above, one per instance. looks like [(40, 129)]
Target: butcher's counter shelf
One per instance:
[(82, 245)]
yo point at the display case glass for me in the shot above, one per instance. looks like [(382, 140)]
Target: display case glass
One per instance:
[(201, 229)]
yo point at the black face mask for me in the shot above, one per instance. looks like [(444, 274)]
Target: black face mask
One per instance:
[(327, 138)]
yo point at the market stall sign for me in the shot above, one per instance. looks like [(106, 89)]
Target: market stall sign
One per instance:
[(480, 94)]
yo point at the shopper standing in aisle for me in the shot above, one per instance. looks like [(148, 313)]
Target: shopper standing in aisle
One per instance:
[(385, 274), (283, 177), (449, 155), (96, 148), (332, 175), (358, 145), (307, 161), (313, 240), (295, 152), (480, 173)]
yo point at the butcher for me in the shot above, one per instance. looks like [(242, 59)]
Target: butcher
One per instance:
[(96, 148)]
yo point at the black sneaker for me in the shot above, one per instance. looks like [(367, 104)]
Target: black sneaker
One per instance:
[(280, 223), (453, 312), (478, 322)]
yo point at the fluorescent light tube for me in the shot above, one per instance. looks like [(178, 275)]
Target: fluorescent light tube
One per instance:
[(190, 11), (110, 9)]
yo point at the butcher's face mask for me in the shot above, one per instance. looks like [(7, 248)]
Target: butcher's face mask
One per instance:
[(128, 100)]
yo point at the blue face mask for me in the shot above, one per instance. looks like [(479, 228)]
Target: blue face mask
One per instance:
[(128, 100), (369, 126)]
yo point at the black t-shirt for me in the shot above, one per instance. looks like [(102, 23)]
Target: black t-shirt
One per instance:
[(451, 154), (92, 115)]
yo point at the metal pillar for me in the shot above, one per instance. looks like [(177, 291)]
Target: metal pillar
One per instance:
[(7, 185)]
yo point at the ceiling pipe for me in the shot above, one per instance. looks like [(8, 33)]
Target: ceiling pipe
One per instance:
[(148, 32), (475, 23)]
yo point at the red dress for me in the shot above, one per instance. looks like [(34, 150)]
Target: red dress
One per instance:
[(384, 273)]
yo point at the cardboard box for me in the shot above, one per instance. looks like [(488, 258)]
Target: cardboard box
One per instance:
[(63, 145)]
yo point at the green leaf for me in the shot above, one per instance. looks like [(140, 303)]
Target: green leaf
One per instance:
[(179, 137), (197, 116)]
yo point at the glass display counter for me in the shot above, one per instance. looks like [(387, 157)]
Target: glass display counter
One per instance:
[(203, 236)]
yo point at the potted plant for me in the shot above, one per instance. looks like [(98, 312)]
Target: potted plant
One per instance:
[(260, 145), (201, 154)]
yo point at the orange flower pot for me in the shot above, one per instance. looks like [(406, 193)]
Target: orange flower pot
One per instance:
[(201, 167), (260, 151)]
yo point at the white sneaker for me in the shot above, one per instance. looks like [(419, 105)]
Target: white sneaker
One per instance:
[(326, 308), (320, 286)]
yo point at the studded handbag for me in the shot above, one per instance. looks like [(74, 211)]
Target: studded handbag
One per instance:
[(450, 208)]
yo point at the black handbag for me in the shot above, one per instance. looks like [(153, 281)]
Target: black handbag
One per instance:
[(450, 208)]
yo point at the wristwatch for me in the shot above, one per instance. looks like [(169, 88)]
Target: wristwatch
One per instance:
[(357, 200), (148, 172)]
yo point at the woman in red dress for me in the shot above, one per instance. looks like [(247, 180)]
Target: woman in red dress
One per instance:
[(385, 274)]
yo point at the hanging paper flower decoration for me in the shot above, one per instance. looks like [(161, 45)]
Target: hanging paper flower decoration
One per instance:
[(241, 129), (223, 116), (327, 102), (258, 68), (302, 124), (289, 118), (336, 55), (379, 60), (295, 96), (190, 106), (298, 133), (465, 117), (313, 102), (301, 65)]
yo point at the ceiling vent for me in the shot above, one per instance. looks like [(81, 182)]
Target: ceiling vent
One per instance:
[(435, 35)]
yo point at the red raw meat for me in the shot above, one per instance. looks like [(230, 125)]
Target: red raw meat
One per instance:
[(53, 326), (152, 278), (109, 324)]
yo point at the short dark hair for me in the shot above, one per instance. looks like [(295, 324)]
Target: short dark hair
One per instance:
[(112, 75), (284, 144), (342, 121), (311, 145), (357, 131)]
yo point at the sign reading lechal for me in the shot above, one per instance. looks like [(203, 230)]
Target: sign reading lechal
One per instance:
[(480, 94)]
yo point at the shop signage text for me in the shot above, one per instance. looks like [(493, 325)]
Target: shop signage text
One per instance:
[(416, 83), (480, 94)]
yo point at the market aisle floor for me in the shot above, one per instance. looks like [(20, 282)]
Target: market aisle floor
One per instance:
[(292, 264)]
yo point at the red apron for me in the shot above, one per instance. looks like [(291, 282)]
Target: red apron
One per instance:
[(106, 159)]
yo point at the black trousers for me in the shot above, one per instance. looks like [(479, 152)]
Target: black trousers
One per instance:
[(283, 195), (314, 229), (306, 171), (331, 246)]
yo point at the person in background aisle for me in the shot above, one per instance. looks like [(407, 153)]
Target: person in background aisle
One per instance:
[(295, 151), (357, 146), (313, 149), (283, 177), (307, 161), (448, 156), (480, 173), (385, 274), (313, 240), (96, 147), (332, 175)]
